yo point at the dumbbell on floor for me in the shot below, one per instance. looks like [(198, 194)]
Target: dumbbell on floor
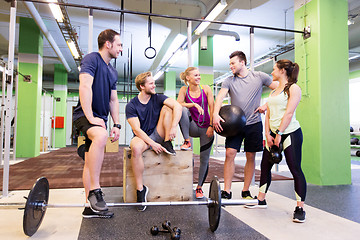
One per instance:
[(155, 230), (175, 232)]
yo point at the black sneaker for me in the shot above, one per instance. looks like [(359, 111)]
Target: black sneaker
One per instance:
[(141, 197), (88, 213), (246, 195), (169, 148), (96, 200), (225, 194), (261, 204), (299, 215)]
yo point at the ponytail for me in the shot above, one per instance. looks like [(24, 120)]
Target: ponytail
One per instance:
[(292, 72)]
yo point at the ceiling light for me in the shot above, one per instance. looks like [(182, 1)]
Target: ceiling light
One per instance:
[(56, 11), (211, 17), (158, 75), (73, 49)]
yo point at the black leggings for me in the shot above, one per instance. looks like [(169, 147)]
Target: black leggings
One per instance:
[(293, 160)]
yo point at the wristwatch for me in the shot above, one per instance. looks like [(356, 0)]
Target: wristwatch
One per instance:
[(278, 132), (117, 125)]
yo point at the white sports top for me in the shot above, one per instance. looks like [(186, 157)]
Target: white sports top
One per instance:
[(277, 106)]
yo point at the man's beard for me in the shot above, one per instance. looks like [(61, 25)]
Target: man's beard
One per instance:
[(149, 92)]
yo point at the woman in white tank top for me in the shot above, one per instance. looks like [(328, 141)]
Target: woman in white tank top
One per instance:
[(281, 126)]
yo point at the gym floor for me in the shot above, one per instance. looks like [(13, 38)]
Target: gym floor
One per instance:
[(332, 212)]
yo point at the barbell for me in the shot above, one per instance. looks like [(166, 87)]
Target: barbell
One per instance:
[(37, 203)]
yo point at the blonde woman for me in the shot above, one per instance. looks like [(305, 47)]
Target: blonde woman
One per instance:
[(198, 105)]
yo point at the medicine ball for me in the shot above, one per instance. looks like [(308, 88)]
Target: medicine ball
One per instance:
[(354, 141), (275, 153), (81, 151), (235, 120)]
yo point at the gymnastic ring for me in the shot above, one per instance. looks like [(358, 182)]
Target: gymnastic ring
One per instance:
[(147, 54)]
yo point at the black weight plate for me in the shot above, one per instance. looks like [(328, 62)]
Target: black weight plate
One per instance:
[(214, 209), (33, 215)]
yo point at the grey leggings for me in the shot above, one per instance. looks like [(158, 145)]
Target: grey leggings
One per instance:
[(189, 128)]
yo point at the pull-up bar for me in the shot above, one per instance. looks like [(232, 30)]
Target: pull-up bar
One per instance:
[(304, 32)]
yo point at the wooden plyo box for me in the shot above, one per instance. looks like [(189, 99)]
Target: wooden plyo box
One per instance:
[(46, 143), (81, 140), (110, 146), (169, 178)]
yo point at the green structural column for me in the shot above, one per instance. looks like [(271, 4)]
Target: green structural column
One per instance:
[(60, 93), (324, 79), (170, 84), (29, 93), (206, 64)]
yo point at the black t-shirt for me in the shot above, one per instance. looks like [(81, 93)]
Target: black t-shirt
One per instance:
[(148, 114)]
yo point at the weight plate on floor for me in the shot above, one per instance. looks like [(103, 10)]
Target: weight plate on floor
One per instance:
[(33, 213), (214, 209)]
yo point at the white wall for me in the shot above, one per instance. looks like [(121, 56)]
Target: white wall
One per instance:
[(45, 117), (354, 103)]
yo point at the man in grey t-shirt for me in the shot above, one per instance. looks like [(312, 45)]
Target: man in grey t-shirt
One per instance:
[(245, 89)]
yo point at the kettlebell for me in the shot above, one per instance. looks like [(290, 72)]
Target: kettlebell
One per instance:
[(275, 153)]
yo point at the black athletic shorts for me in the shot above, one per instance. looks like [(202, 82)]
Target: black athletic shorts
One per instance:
[(253, 135), (83, 125)]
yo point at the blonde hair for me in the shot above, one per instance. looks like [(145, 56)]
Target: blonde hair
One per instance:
[(186, 73), (141, 78)]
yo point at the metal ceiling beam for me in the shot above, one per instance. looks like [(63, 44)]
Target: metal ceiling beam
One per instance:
[(69, 32), (37, 18)]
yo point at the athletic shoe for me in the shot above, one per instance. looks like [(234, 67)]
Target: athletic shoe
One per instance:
[(199, 193), (261, 204), (246, 195), (225, 194), (88, 213), (96, 200), (186, 146), (169, 148), (299, 215), (141, 197)]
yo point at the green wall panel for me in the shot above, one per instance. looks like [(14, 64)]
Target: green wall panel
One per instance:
[(60, 91), (324, 109), (29, 93)]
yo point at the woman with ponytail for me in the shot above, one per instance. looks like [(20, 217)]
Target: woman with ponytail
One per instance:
[(281, 127), (196, 120)]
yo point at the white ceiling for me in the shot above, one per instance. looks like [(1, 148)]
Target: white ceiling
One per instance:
[(168, 34)]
